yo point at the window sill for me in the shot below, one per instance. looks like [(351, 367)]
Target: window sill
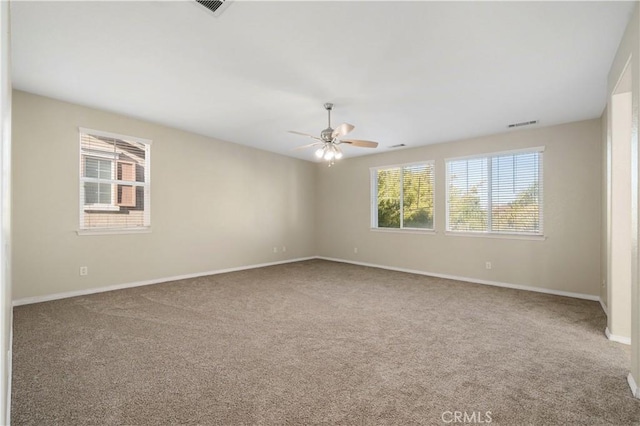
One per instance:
[(145, 230), (495, 235), (101, 208), (405, 231)]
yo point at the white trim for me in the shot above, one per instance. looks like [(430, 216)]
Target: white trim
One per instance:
[(618, 339), (469, 280), (114, 231), (635, 390), (114, 135), (405, 231), (498, 153), (67, 294), (102, 207), (482, 234), (402, 165), (604, 307)]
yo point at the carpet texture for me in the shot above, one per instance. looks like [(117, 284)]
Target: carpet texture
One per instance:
[(317, 342)]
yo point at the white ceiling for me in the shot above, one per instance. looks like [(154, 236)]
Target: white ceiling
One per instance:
[(401, 72)]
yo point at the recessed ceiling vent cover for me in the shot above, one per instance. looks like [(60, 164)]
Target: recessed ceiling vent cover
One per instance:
[(217, 7), (400, 145), (524, 123)]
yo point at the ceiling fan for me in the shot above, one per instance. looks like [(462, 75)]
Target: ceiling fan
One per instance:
[(329, 141)]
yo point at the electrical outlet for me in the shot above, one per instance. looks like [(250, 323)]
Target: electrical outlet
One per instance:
[(487, 265), (275, 249), (284, 249), (84, 270), (355, 250)]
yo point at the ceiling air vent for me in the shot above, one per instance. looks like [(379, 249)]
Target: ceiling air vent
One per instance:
[(524, 123), (217, 7), (400, 145)]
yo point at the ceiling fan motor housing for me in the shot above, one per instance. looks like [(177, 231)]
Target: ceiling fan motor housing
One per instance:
[(326, 134)]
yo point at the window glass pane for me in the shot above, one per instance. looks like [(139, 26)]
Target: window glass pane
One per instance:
[(388, 191), (105, 169), (515, 193), (91, 193), (468, 195), (91, 167), (97, 193), (417, 181), (134, 153), (105, 193)]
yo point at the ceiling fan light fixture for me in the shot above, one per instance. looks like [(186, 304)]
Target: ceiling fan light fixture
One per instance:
[(329, 155), (338, 154), (319, 152)]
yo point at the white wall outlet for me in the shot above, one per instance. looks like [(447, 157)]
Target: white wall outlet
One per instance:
[(355, 250), (487, 265), (275, 249), (284, 249), (84, 270)]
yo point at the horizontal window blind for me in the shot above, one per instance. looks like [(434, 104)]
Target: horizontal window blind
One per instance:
[(499, 193), (114, 182), (403, 196)]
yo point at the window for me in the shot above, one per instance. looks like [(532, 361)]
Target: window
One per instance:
[(114, 182), (499, 193), (402, 196)]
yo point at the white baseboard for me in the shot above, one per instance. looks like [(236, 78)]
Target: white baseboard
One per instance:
[(614, 338), (64, 295), (604, 307), (470, 280), (635, 390)]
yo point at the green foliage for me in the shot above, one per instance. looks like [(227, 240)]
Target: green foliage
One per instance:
[(520, 215), (389, 213), (465, 210), (417, 197)]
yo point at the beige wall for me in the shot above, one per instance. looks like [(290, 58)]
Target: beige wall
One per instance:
[(604, 224), (214, 205), (630, 49), (6, 311), (619, 289), (568, 260)]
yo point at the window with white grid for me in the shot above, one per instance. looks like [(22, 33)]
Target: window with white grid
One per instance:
[(114, 182)]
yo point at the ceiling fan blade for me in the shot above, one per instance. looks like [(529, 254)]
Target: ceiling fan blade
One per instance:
[(360, 143), (305, 134), (307, 146), (342, 130)]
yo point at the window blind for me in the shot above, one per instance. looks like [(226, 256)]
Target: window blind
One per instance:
[(498, 193), (114, 182)]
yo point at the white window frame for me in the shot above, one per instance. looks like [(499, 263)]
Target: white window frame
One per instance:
[(102, 206), (82, 230), (497, 234), (373, 173)]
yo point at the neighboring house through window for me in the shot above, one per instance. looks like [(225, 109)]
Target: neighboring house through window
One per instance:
[(114, 182), (403, 196)]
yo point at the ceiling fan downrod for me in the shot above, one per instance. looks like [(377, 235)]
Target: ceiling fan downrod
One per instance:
[(327, 134)]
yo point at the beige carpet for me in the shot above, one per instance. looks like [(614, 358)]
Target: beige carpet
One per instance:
[(317, 342)]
